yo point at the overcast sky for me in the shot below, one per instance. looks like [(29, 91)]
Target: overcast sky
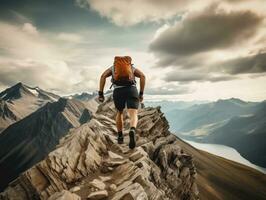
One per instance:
[(188, 49)]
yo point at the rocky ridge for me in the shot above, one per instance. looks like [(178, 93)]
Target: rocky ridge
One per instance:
[(89, 164)]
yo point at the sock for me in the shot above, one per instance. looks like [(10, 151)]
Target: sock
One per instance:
[(132, 129), (120, 133)]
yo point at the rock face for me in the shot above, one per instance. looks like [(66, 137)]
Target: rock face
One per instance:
[(21, 100), (89, 163), (29, 140)]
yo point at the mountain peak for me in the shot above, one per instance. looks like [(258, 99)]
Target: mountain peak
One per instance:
[(20, 100), (19, 90), (235, 101), (14, 92), (19, 84)]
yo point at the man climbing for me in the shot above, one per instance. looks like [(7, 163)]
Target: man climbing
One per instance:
[(125, 94)]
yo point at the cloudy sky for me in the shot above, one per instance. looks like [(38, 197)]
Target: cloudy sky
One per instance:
[(188, 49)]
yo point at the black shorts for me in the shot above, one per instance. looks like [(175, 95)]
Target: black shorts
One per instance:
[(126, 96)]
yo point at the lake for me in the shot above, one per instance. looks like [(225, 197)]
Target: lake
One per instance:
[(225, 152)]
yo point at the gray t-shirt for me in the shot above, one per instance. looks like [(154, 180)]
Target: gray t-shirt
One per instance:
[(121, 86)]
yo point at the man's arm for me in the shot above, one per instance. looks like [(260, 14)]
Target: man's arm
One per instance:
[(140, 75), (104, 75)]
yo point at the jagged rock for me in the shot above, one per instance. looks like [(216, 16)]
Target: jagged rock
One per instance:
[(195, 189), (133, 192), (90, 158), (97, 184), (98, 195), (64, 195), (75, 189), (184, 172), (105, 178), (140, 153), (112, 187), (113, 155)]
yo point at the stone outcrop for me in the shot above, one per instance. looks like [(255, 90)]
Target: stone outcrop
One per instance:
[(89, 164), (64, 195)]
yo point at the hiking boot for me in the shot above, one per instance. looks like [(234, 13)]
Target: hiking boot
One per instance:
[(120, 138), (132, 139)]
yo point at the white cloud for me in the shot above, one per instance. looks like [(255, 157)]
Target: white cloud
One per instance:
[(70, 37), (168, 89), (35, 60), (130, 12), (197, 75), (17, 42), (206, 45), (160, 30), (211, 29), (30, 29), (47, 75), (65, 68)]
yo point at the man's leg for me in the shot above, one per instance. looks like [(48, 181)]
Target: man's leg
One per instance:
[(119, 121), (133, 115), (119, 126), (119, 101)]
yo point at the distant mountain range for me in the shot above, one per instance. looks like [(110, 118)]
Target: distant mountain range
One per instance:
[(232, 122), (19, 101), (167, 106), (84, 96)]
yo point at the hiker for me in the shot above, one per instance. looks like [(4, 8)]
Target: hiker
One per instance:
[(125, 94)]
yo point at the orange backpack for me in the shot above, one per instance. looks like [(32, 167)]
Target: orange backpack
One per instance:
[(122, 72)]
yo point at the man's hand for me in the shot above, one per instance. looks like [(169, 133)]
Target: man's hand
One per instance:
[(105, 74), (101, 96), (140, 96)]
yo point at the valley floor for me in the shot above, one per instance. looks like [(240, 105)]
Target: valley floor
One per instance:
[(225, 152), (223, 179)]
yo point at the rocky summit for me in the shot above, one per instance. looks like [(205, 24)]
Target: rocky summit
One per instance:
[(89, 164)]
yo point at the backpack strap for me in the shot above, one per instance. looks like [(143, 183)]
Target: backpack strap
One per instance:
[(113, 72), (133, 70), (111, 86)]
